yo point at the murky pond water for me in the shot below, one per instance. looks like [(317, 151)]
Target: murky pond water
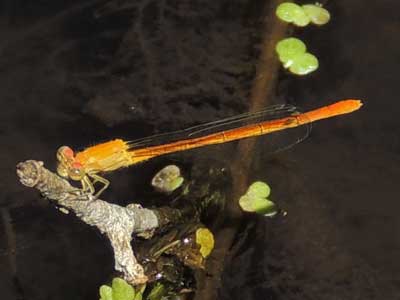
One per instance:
[(81, 72)]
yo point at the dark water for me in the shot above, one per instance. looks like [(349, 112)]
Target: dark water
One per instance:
[(80, 72)]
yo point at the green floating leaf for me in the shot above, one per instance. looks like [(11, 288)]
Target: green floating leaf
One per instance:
[(167, 179), (157, 292), (292, 13), (255, 199), (317, 14), (301, 19), (264, 207), (105, 293), (139, 294), (246, 203), (121, 290), (292, 53), (205, 239), (288, 48), (175, 183), (304, 64), (287, 11), (259, 189)]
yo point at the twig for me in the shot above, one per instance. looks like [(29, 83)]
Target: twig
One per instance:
[(262, 89), (116, 222)]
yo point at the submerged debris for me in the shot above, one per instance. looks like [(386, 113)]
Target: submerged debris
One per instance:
[(187, 245)]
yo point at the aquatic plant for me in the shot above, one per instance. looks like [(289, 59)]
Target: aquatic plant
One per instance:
[(317, 14), (168, 179), (120, 290), (292, 13), (255, 199), (288, 49), (302, 15), (292, 53), (157, 292), (205, 239)]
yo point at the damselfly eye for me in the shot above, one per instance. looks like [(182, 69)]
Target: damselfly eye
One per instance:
[(76, 171), (65, 153), (62, 171)]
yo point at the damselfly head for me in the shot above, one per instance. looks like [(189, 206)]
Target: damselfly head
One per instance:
[(65, 153), (62, 170)]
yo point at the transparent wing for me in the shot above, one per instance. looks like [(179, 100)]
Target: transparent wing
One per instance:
[(275, 141)]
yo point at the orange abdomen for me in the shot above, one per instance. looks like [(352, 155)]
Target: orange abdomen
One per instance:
[(116, 154)]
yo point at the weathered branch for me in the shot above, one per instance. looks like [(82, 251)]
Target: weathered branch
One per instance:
[(116, 222)]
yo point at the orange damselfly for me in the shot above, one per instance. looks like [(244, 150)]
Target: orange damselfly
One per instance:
[(84, 166)]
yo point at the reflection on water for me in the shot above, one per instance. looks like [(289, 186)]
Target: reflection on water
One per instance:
[(74, 73)]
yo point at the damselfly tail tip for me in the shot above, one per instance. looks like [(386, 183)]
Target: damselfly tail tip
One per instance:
[(356, 103), (348, 105)]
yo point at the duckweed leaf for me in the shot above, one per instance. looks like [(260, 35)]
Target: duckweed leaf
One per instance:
[(304, 64), (292, 53), (259, 189), (205, 239), (139, 294), (292, 13), (255, 199), (121, 290), (287, 11), (301, 19), (105, 293), (302, 15), (174, 184), (167, 179), (246, 203), (317, 14), (157, 292), (264, 206), (288, 48)]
